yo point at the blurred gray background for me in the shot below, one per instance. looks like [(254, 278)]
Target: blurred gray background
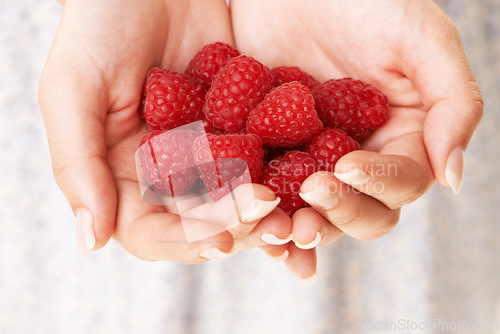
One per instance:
[(441, 263)]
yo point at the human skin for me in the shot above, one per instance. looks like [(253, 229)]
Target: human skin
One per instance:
[(412, 52), (90, 93)]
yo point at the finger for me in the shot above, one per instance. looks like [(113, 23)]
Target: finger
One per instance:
[(208, 22), (356, 214), (276, 252), (443, 77), (150, 233), (74, 110), (302, 263), (240, 211), (310, 229), (393, 179), (274, 229)]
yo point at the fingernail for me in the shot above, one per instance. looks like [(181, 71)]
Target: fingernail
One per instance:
[(215, 253), (354, 177), (321, 197), (85, 235), (257, 209), (282, 257), (271, 239), (454, 171), (310, 245), (310, 280)]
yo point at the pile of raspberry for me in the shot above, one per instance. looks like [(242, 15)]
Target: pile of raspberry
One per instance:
[(270, 126)]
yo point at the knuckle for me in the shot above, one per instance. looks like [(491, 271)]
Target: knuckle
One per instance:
[(347, 222)]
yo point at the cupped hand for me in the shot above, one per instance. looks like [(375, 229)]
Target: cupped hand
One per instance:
[(90, 93), (412, 52)]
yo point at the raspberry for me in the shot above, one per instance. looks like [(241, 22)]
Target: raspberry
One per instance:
[(172, 99), (271, 153), (286, 117), (223, 161), (236, 90), (208, 126), (358, 134), (329, 146), (284, 74), (350, 104), (208, 61), (167, 160), (285, 175)]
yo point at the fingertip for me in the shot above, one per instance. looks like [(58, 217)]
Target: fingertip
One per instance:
[(307, 226), (316, 181), (217, 253), (301, 262), (275, 228), (85, 234), (96, 192), (310, 280), (276, 252), (257, 209)]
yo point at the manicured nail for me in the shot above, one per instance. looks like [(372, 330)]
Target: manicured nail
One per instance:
[(215, 253), (321, 197), (271, 239), (310, 245), (85, 235), (258, 209), (454, 172), (354, 177), (282, 257), (310, 280)]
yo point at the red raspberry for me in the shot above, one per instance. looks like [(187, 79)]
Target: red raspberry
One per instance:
[(284, 74), (286, 117), (271, 153), (228, 160), (208, 61), (329, 146), (208, 126), (285, 175), (350, 104), (167, 160), (172, 99), (236, 90), (358, 134)]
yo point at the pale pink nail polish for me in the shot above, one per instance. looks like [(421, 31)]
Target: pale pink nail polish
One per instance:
[(215, 253), (271, 239), (257, 209), (454, 171), (85, 235), (321, 197), (282, 257), (355, 177), (310, 245), (310, 280)]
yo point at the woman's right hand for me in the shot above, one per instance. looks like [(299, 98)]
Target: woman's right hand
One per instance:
[(90, 93)]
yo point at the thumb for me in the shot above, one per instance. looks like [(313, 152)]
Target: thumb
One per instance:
[(74, 106), (442, 75)]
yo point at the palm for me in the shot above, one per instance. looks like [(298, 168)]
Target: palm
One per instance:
[(164, 35)]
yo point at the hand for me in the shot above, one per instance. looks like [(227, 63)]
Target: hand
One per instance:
[(89, 95), (412, 52)]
